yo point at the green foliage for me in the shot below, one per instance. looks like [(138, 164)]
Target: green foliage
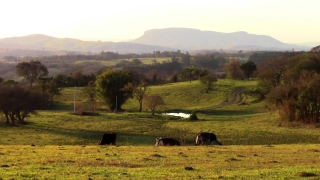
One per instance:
[(193, 116), (109, 87), (91, 93), (233, 69), (291, 83), (208, 80), (248, 68), (31, 71)]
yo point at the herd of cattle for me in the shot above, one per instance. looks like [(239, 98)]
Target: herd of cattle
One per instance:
[(202, 138)]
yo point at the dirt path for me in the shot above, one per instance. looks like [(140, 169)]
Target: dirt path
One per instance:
[(234, 98)]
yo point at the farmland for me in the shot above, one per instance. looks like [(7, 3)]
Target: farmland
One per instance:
[(56, 144)]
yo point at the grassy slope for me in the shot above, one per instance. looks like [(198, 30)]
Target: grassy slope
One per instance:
[(66, 145), (243, 123)]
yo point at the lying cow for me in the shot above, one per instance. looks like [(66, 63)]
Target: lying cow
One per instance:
[(206, 138), (166, 142), (108, 138)]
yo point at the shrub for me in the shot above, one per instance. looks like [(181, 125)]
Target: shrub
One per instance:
[(193, 116)]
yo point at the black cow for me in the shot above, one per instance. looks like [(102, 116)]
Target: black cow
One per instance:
[(108, 138), (166, 142), (206, 138)]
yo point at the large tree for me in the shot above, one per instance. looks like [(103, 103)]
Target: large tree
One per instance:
[(138, 91), (31, 71), (48, 87), (233, 69), (248, 68), (272, 73), (17, 102), (109, 88), (91, 93)]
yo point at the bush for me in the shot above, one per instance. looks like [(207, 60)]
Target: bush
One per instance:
[(193, 116)]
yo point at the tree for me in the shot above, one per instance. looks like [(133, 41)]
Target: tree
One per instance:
[(109, 88), (186, 60), (31, 71), (17, 102), (248, 68), (315, 49), (208, 80), (48, 87), (190, 73), (138, 91), (152, 102), (233, 69), (272, 73), (91, 92)]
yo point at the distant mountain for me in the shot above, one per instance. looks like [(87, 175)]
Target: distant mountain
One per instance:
[(193, 39), (309, 44), (48, 43), (169, 39)]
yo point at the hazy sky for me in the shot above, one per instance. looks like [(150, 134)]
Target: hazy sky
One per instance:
[(290, 21)]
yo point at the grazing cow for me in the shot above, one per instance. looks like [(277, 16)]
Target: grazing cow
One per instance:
[(206, 138), (166, 142), (108, 138)]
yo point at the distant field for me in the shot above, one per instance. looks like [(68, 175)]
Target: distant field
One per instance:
[(115, 61)]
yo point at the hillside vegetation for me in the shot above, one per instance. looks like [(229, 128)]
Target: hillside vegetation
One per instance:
[(242, 122), (56, 144)]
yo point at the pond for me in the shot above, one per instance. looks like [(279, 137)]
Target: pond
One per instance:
[(184, 115)]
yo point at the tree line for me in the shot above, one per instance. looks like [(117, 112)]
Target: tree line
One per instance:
[(289, 81)]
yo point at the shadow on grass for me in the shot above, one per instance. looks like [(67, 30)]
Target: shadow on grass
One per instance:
[(92, 137)]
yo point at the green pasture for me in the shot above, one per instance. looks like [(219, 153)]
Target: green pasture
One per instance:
[(57, 144), (246, 122), (149, 162)]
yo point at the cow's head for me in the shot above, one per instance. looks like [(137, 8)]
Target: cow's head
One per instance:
[(158, 141)]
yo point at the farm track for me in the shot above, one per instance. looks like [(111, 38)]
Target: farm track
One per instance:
[(235, 97)]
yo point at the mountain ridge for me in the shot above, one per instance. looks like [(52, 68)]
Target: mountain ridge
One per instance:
[(192, 39), (166, 39)]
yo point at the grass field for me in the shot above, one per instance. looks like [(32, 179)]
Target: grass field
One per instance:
[(56, 144), (113, 62), (147, 162)]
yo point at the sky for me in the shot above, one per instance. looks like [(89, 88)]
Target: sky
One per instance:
[(290, 21)]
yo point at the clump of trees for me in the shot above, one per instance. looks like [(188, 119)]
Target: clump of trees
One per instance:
[(19, 101), (291, 83)]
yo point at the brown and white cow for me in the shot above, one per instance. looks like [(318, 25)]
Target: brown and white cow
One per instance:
[(108, 138), (166, 142)]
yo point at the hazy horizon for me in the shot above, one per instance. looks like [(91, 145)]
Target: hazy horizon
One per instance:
[(287, 21)]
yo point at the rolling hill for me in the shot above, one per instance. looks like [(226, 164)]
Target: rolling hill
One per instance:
[(168, 39), (48, 43)]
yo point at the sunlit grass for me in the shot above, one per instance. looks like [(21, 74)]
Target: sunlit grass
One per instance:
[(56, 144), (149, 162)]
